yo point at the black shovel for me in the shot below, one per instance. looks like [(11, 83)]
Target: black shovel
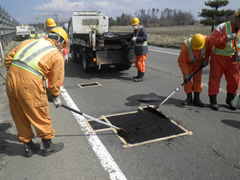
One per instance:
[(179, 87), (120, 131)]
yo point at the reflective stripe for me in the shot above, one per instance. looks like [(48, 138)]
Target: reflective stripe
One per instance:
[(190, 51), (140, 44), (24, 66), (228, 50), (26, 49), (31, 55), (29, 58)]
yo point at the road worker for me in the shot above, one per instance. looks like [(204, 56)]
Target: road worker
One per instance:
[(140, 48), (50, 24), (195, 53), (223, 61), (28, 66)]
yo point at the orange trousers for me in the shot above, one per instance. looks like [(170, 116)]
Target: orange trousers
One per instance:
[(195, 84), (140, 62), (228, 66), (28, 104)]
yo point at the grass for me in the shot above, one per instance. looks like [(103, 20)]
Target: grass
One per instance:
[(172, 36)]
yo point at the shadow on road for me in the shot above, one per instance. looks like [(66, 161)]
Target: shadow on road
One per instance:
[(232, 123)]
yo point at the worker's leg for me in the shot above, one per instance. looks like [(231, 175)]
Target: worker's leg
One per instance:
[(197, 84), (217, 66), (188, 87), (140, 65), (232, 78)]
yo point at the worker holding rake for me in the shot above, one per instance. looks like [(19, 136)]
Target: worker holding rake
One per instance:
[(194, 55), (29, 65), (224, 61)]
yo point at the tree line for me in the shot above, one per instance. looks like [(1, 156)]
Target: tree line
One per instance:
[(155, 17)]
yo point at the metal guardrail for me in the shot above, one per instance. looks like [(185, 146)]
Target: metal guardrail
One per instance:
[(7, 28)]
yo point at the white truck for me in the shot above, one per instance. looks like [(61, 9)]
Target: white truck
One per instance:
[(23, 32), (92, 43)]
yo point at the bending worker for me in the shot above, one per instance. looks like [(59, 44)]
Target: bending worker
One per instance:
[(29, 65), (195, 53), (140, 48), (223, 61)]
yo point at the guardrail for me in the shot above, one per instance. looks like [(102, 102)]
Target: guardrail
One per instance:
[(7, 28)]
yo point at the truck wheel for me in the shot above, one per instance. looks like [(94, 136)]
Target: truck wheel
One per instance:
[(85, 63)]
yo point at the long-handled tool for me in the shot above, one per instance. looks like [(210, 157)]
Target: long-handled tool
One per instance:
[(179, 87), (120, 131), (237, 56)]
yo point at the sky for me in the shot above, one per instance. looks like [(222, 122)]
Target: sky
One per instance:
[(25, 11)]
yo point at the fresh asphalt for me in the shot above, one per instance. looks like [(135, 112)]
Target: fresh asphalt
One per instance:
[(212, 152)]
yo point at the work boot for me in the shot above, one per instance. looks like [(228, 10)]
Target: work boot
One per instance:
[(229, 101), (31, 148), (135, 77), (213, 102), (188, 100), (50, 148), (140, 78), (197, 101)]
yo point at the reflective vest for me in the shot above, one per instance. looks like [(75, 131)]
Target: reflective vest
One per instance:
[(140, 44), (190, 51), (28, 57), (229, 50)]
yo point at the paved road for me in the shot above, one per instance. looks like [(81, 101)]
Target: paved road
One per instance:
[(212, 152)]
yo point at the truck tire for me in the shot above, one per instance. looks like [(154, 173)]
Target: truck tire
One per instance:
[(85, 63)]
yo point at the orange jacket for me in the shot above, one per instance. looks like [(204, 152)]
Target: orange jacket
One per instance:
[(184, 59), (51, 65)]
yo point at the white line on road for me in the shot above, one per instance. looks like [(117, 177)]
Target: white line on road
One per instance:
[(103, 155), (164, 52)]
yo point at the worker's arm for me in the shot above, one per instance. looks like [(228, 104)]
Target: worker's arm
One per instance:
[(208, 50), (9, 58), (183, 59), (218, 37)]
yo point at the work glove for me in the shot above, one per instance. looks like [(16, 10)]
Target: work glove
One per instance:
[(134, 39), (231, 36), (204, 63), (57, 101), (187, 78)]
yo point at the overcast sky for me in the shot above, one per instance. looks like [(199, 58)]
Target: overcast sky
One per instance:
[(25, 11)]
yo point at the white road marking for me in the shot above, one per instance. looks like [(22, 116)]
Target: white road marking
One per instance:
[(164, 52), (103, 155)]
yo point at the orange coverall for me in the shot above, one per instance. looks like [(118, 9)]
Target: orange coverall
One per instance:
[(188, 67), (220, 65), (27, 95)]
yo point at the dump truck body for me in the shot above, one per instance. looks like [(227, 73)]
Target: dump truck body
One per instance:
[(22, 32), (92, 43)]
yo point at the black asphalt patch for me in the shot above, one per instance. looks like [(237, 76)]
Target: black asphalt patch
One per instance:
[(143, 126)]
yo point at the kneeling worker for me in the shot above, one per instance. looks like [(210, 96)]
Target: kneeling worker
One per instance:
[(195, 53), (28, 66)]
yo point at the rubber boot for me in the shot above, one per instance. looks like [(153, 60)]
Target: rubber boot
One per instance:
[(213, 102), (31, 148), (140, 78), (229, 101), (197, 101), (50, 148), (135, 77), (188, 100)]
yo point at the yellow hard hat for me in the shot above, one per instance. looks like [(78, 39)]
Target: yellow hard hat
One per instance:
[(135, 21), (238, 13), (50, 22), (198, 41), (61, 32)]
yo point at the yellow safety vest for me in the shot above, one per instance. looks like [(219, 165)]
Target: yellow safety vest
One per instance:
[(28, 57), (229, 50)]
